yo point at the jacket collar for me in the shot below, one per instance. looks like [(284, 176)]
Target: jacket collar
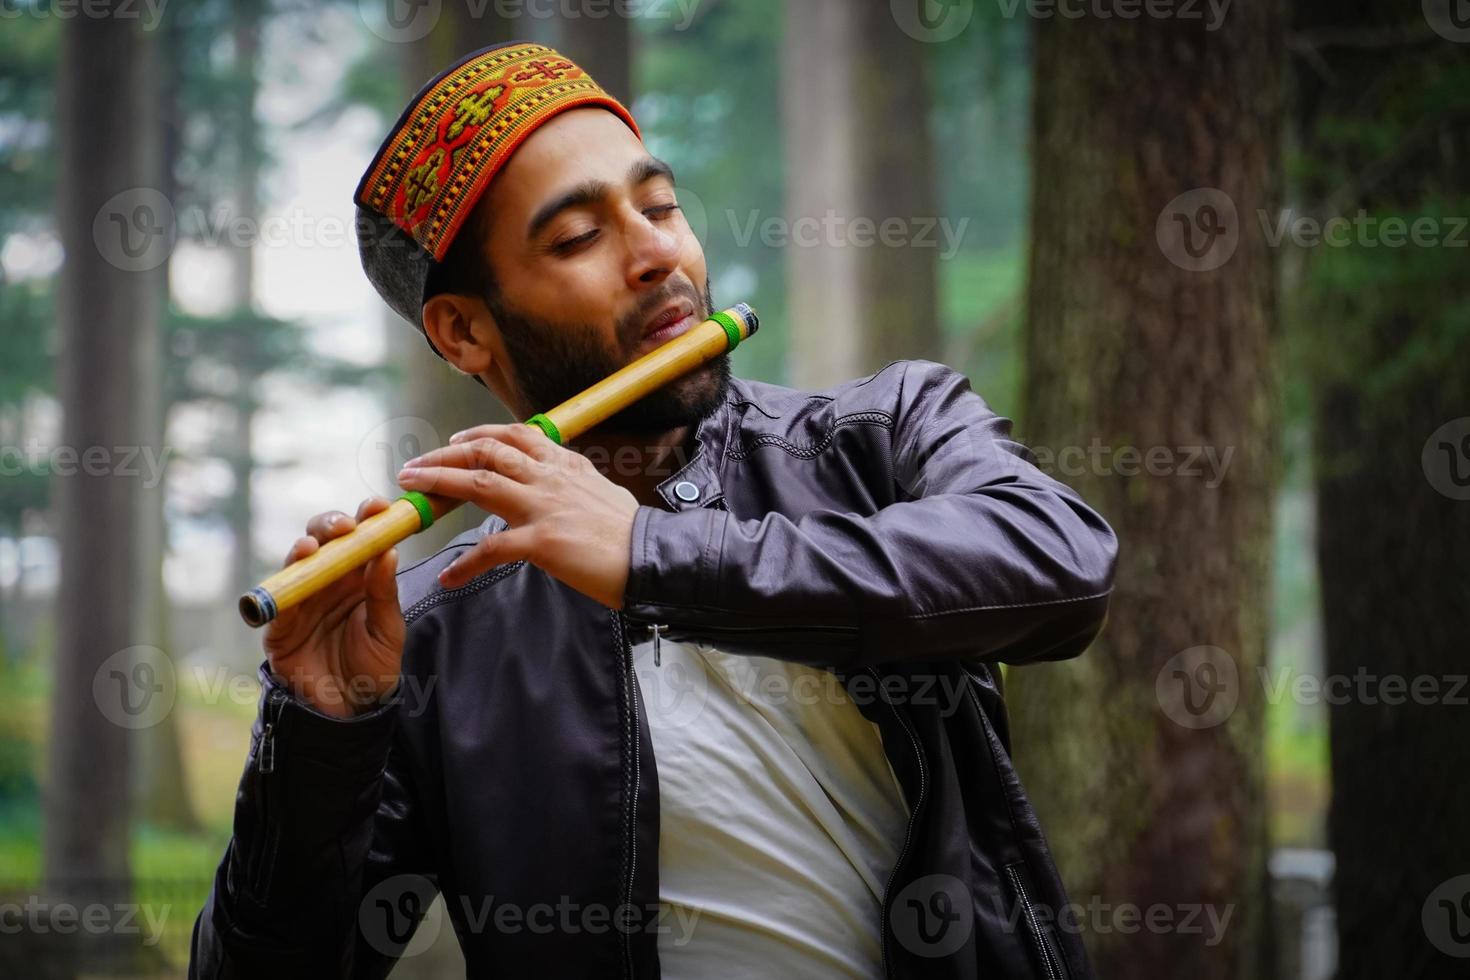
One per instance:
[(700, 478)]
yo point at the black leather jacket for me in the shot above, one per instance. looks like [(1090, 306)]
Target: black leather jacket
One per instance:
[(886, 529)]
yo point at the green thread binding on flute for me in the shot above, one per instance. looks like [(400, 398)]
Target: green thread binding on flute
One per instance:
[(732, 329), (420, 504), (547, 426)]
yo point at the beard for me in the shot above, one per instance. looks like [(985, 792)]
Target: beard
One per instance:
[(552, 362)]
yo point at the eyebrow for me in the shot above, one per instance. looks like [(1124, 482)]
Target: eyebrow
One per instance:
[(594, 191)]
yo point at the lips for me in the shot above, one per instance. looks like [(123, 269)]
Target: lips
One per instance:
[(668, 323)]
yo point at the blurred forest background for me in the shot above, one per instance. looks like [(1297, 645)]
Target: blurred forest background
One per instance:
[(1212, 259)]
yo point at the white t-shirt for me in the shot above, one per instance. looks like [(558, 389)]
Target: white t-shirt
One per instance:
[(780, 818)]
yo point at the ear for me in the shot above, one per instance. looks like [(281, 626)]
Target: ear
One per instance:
[(460, 327)]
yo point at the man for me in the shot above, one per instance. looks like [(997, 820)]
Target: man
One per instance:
[(729, 711)]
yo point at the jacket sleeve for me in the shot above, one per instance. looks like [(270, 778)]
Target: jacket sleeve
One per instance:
[(326, 851), (981, 556)]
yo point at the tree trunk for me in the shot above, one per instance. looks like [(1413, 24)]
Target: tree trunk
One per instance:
[(239, 510), (858, 159), (107, 301), (1149, 779), (160, 782), (601, 45), (1386, 130)]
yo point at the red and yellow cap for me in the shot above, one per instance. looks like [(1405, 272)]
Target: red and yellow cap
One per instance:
[(449, 143)]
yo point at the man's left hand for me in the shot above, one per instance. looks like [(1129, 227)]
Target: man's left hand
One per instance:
[(565, 517)]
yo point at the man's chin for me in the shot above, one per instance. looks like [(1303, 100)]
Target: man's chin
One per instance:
[(686, 401)]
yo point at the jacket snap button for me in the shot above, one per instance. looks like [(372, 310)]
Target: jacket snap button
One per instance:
[(686, 491)]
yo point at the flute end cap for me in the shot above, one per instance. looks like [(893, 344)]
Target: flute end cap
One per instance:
[(257, 607), (748, 314)]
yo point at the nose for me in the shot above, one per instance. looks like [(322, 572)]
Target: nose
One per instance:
[(653, 250)]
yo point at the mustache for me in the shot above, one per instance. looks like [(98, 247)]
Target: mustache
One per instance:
[(630, 327)]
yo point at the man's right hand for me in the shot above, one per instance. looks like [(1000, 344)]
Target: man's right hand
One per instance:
[(340, 651)]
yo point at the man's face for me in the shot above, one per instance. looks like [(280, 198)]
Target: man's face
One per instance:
[(588, 248)]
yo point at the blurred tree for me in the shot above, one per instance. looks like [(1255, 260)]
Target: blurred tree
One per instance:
[(104, 310), (1382, 327), (859, 155), (1126, 347), (159, 786), (599, 39), (247, 19)]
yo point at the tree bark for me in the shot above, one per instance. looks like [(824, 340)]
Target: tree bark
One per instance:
[(858, 154), (1128, 347), (160, 781), (239, 510), (601, 45), (1386, 131)]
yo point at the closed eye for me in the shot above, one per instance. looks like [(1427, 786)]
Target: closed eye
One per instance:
[(571, 243), (659, 212)]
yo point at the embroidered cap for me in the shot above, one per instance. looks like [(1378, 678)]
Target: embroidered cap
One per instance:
[(446, 147)]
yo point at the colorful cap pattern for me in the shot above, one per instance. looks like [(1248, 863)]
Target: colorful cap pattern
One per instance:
[(446, 147)]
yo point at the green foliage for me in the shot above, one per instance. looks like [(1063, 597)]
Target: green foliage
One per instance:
[(365, 84), (1371, 158), (981, 122), (21, 729), (209, 102), (17, 774), (981, 309), (28, 52), (1418, 287), (26, 316)]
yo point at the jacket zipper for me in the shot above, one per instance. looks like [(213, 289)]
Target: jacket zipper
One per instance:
[(1049, 961), (275, 705), (265, 764), (908, 833), (657, 628), (630, 786)]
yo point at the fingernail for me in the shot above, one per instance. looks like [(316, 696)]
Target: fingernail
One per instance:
[(456, 437), (413, 462)]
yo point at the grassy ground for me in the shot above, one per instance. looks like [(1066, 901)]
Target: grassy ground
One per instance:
[(171, 869)]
